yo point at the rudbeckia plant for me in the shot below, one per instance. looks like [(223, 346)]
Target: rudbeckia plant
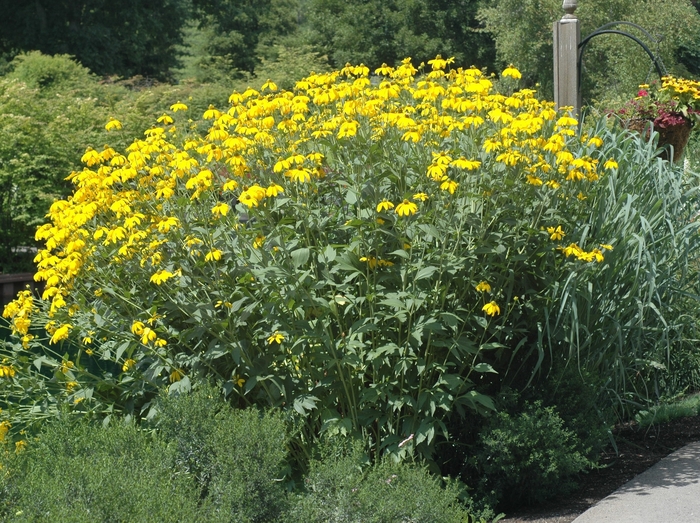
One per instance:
[(369, 256)]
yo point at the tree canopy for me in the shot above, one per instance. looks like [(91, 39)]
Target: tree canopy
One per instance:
[(115, 37)]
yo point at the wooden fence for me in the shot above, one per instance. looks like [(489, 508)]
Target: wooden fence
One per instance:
[(11, 284)]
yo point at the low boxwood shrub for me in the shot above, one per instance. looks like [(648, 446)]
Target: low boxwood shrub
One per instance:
[(527, 457)]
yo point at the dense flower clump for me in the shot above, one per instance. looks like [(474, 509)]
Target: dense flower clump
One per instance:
[(332, 241)]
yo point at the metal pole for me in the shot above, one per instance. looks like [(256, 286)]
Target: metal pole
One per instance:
[(567, 36)]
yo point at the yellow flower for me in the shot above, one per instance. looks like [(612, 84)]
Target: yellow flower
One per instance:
[(572, 250), (230, 185), (606, 246), (91, 157), (483, 287), (20, 446), (165, 119), (491, 308), (148, 335), (371, 261), (610, 164), (273, 190), (534, 180), (137, 328), (384, 205), (213, 255), (128, 365), (556, 234), (220, 209), (176, 375), (258, 242), (449, 185), (567, 121), (161, 276), (420, 196), (269, 85), (179, 106), (511, 72), (66, 366), (463, 163), (113, 123), (61, 333), (210, 114), (7, 371), (406, 208), (4, 427), (276, 337), (348, 129)]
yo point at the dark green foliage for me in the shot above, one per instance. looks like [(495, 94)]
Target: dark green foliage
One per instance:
[(117, 37), (78, 472), (236, 457), (206, 462), (340, 490), (578, 396), (235, 28), (377, 31), (528, 457)]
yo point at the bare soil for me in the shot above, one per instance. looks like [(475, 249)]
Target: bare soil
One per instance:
[(637, 450)]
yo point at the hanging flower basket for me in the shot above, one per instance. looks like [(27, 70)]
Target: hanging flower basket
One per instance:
[(671, 108), (673, 137)]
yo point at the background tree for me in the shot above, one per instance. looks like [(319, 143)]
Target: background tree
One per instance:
[(386, 31), (522, 30), (110, 37), (232, 34)]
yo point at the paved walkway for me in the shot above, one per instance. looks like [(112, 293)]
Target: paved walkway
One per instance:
[(669, 492)]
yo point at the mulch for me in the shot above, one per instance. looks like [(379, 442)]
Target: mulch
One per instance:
[(637, 450)]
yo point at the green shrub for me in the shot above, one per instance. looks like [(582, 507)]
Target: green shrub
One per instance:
[(341, 488), (206, 462), (237, 457), (78, 472), (51, 73), (527, 457), (578, 397)]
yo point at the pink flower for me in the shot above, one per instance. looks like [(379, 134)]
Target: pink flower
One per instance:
[(643, 92)]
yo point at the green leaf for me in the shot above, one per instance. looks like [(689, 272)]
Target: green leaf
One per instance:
[(181, 387), (329, 254), (121, 349), (484, 367), (425, 272), (304, 403), (300, 256)]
